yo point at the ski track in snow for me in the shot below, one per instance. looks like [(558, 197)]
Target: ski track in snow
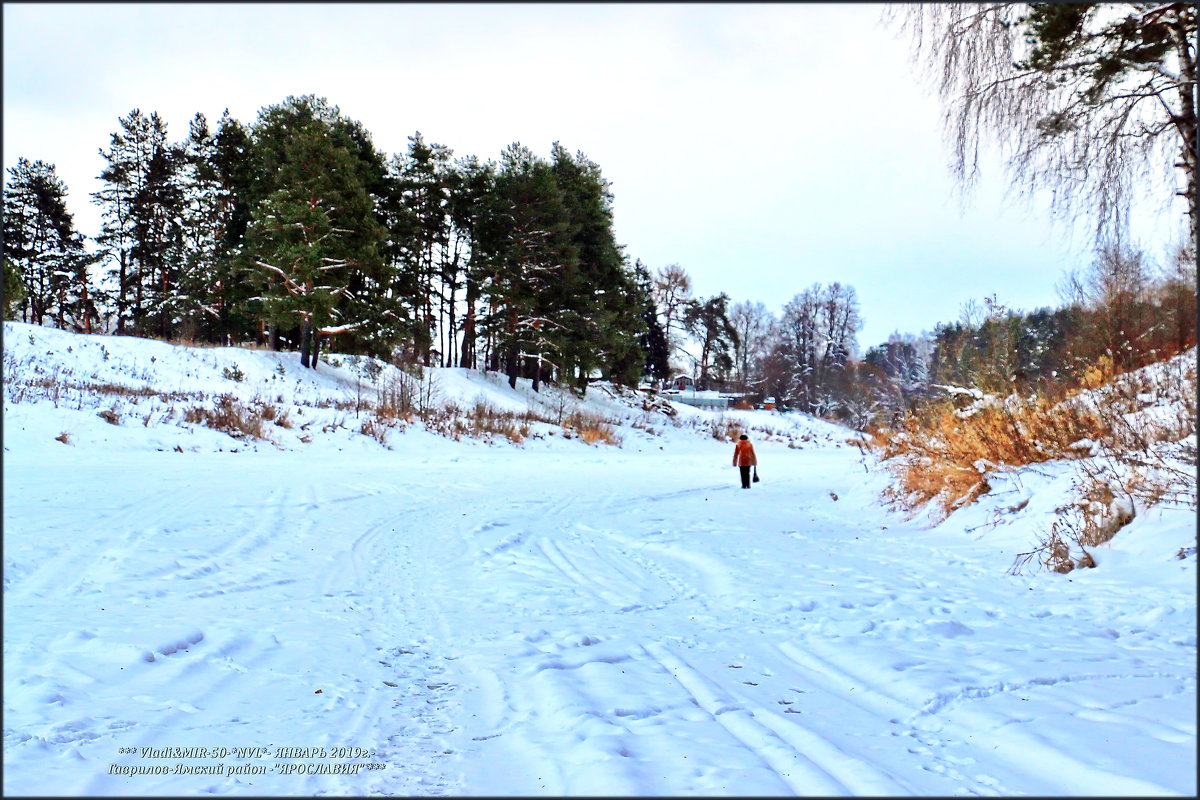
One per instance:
[(550, 624)]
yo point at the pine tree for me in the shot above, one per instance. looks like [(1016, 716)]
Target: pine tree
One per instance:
[(48, 257), (307, 150), (529, 256), (602, 301), (653, 340), (142, 206), (291, 239), (472, 205), (14, 289), (231, 162), (159, 245), (207, 205), (423, 236), (708, 321)]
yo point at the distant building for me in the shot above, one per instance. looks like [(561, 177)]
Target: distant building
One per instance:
[(682, 389)]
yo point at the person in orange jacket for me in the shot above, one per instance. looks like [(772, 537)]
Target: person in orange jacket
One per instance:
[(743, 457)]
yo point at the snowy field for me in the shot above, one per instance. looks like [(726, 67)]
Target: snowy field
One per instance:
[(553, 618)]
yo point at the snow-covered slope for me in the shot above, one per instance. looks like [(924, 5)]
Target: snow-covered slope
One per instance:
[(144, 389), (549, 618)]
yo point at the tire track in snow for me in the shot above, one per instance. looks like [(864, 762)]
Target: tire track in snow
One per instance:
[(715, 578), (78, 564), (554, 554), (1061, 771), (800, 772), (403, 697), (392, 584), (603, 576), (275, 527)]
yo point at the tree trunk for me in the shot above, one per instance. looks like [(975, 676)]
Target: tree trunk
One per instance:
[(468, 342), (1187, 124), (427, 307), (305, 343), (511, 364), (122, 293), (164, 324), (441, 321), (87, 312), (139, 321), (449, 357)]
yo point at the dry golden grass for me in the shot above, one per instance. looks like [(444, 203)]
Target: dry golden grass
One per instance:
[(591, 428), (1133, 436), (371, 426), (56, 388), (941, 453), (481, 421), (726, 430), (230, 416), (1076, 529)]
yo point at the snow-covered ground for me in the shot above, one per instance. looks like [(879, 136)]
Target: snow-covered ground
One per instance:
[(549, 618)]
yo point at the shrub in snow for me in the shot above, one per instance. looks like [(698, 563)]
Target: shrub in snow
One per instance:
[(1132, 438), (231, 416), (591, 428)]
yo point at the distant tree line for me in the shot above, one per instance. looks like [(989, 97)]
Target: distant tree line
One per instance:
[(800, 358), (1118, 314), (296, 230)]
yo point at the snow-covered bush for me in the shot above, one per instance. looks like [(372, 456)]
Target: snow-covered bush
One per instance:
[(1133, 440)]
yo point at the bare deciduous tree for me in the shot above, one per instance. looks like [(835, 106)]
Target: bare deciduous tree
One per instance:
[(819, 330), (672, 295), (752, 322), (1117, 284), (1094, 102)]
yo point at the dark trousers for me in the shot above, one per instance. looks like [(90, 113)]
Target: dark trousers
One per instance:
[(745, 477)]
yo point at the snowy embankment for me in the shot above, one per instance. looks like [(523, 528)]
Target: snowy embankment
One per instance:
[(549, 618)]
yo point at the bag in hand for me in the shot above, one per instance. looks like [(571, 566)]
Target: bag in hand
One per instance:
[(756, 474)]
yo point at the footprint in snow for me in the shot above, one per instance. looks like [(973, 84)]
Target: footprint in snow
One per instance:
[(949, 628)]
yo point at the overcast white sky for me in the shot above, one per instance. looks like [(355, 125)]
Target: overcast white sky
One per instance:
[(763, 147)]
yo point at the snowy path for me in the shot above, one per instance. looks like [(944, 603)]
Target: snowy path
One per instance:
[(557, 622)]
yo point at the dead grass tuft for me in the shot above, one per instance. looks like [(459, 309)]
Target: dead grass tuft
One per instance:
[(376, 429), (725, 430), (1064, 546), (591, 428), (230, 416)]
